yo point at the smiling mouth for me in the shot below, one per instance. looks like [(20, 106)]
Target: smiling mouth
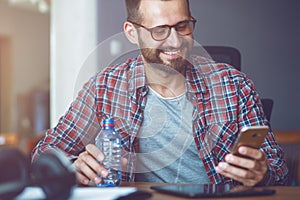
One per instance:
[(172, 52)]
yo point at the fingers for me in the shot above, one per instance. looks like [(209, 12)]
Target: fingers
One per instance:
[(82, 179), (254, 160), (252, 153), (83, 172), (124, 160), (95, 152), (241, 162), (244, 176), (87, 167), (248, 170), (124, 164)]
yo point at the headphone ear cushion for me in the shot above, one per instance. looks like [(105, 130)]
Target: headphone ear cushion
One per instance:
[(14, 172), (54, 173)]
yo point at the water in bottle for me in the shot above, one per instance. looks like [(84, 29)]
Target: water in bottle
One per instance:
[(108, 141)]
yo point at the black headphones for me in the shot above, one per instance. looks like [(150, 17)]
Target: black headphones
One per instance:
[(51, 171)]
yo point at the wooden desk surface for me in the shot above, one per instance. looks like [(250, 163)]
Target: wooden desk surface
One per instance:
[(282, 192), (287, 137)]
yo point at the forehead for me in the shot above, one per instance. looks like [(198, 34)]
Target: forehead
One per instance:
[(159, 12)]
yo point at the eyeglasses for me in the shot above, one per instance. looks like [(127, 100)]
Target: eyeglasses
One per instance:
[(162, 32)]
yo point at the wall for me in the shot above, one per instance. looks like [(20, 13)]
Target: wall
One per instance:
[(5, 84), (28, 32), (267, 35), (73, 37)]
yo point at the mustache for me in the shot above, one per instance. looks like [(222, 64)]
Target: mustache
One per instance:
[(184, 45)]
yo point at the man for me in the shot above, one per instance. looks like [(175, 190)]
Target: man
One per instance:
[(178, 116)]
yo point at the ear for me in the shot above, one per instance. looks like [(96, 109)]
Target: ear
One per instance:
[(131, 32)]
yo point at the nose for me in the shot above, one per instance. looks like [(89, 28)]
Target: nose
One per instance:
[(174, 40)]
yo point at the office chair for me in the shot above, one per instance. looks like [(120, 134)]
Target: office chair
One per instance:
[(267, 104), (232, 56), (224, 54)]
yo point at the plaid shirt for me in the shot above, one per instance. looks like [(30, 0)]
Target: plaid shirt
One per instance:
[(224, 101)]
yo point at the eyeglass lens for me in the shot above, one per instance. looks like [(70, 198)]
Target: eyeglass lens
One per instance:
[(182, 28)]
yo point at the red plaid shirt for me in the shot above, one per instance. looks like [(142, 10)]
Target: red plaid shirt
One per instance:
[(224, 99)]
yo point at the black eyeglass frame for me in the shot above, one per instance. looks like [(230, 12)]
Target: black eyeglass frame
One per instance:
[(193, 20)]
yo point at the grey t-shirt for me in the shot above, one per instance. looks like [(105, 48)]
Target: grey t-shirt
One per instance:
[(167, 151)]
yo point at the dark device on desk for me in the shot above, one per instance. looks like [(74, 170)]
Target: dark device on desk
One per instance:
[(211, 190), (50, 171), (252, 136)]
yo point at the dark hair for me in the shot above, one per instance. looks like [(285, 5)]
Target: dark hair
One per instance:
[(132, 7)]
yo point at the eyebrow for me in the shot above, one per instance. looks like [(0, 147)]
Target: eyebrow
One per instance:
[(167, 25)]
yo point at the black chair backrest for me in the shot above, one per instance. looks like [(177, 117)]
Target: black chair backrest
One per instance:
[(224, 54), (267, 106)]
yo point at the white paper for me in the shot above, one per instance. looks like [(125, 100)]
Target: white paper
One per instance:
[(79, 193)]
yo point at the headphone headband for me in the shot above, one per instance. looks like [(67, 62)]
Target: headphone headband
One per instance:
[(51, 171)]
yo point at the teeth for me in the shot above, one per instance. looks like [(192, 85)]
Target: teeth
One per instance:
[(171, 52)]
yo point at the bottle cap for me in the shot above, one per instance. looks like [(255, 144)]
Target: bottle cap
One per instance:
[(108, 122)]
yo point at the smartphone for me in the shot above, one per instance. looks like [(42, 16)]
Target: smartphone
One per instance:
[(251, 136)]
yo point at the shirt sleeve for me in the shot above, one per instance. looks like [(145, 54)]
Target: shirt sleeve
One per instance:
[(77, 128), (251, 113)]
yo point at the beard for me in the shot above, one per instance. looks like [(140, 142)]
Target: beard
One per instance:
[(151, 56)]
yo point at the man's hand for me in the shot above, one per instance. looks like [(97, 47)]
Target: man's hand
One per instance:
[(88, 167), (249, 171)]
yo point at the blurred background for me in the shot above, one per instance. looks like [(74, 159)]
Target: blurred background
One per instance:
[(44, 43), (24, 70)]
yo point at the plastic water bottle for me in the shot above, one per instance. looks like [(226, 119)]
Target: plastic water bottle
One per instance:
[(109, 142)]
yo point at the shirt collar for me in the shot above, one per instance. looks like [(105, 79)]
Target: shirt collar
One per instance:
[(194, 78), (137, 81)]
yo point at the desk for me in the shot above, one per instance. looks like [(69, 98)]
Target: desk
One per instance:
[(282, 192), (79, 193)]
